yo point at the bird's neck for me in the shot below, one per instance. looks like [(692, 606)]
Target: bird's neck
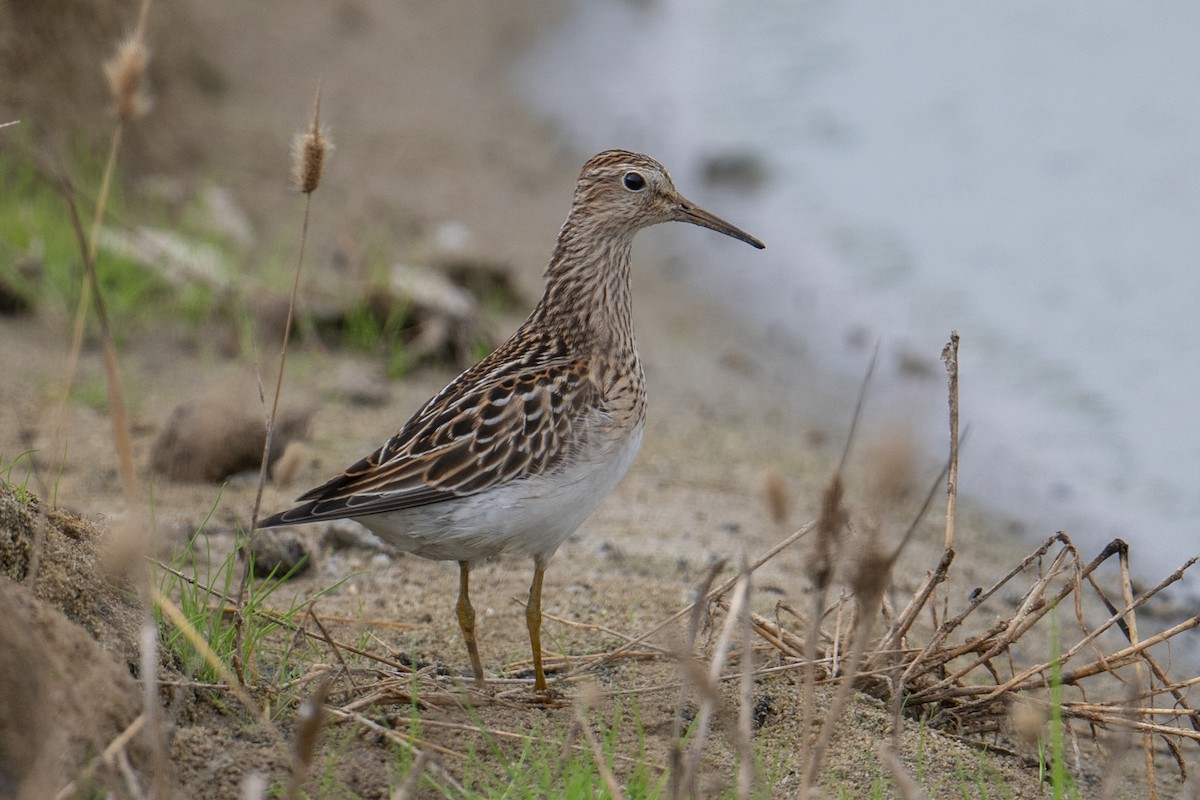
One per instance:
[(587, 286)]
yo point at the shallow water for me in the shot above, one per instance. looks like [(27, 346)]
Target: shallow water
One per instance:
[(1026, 173)]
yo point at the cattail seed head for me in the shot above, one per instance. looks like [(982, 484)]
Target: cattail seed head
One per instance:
[(830, 525), (308, 158), (778, 499), (125, 72), (872, 566), (891, 473), (309, 150)]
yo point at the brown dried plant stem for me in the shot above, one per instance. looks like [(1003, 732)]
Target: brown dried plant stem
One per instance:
[(310, 722), (899, 630), (621, 650), (116, 402), (821, 565), (950, 357), (129, 66), (311, 151)]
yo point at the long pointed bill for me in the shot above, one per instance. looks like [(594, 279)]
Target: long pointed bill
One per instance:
[(690, 212)]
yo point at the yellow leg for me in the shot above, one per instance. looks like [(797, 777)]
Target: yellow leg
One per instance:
[(466, 620), (533, 618)]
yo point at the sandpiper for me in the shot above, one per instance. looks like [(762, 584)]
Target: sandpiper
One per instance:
[(517, 451)]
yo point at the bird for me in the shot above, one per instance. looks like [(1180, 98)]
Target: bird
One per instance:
[(516, 452)]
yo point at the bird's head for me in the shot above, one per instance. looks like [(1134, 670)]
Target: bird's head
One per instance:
[(628, 191)]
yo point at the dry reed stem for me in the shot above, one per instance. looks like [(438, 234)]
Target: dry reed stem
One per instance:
[(310, 722), (131, 67), (528, 738), (868, 582), (116, 402), (148, 652), (310, 172), (950, 357), (412, 778), (310, 159), (977, 707), (332, 645), (922, 661), (612, 655), (606, 774), (591, 626), (906, 787), (706, 681), (688, 662), (1139, 671), (745, 748), (397, 738), (106, 756)]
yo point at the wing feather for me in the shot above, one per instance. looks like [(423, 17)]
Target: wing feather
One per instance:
[(484, 430)]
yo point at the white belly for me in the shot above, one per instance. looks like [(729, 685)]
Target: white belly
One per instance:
[(530, 517)]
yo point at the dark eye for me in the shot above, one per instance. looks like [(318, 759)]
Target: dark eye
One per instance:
[(634, 181)]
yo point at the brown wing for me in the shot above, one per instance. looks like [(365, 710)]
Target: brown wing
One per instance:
[(491, 426)]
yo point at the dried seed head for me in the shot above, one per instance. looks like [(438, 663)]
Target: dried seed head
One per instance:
[(778, 500), (1027, 720), (872, 567), (830, 525), (891, 473), (125, 72), (309, 150), (308, 153), (310, 722)]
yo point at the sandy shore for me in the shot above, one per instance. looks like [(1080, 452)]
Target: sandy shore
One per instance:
[(428, 132)]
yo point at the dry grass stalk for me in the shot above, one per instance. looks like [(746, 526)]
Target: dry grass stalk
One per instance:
[(124, 73), (432, 767), (906, 787), (310, 722), (332, 645), (310, 161), (689, 664), (706, 682), (820, 565), (606, 774), (412, 779), (950, 357), (620, 651), (116, 403), (973, 696), (148, 651), (106, 757), (830, 524), (745, 748), (868, 581), (1139, 671)]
